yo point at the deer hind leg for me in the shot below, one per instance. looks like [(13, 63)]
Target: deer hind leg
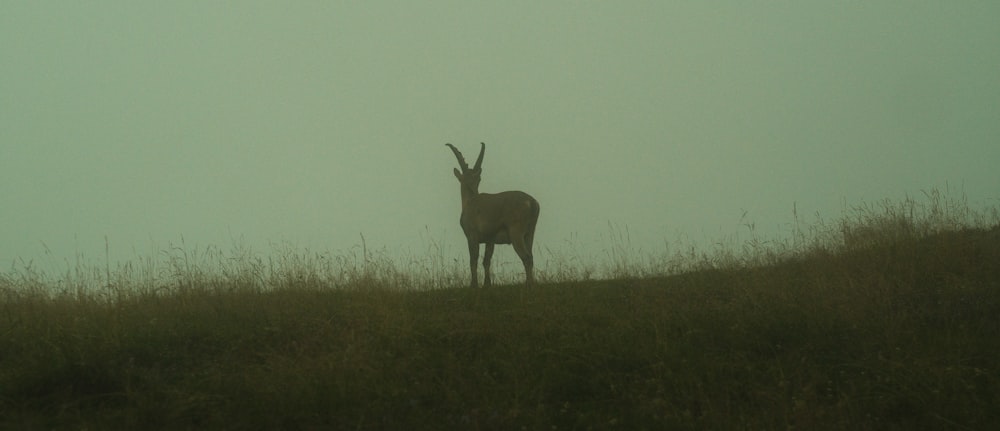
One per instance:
[(520, 242), (529, 230), (487, 282), (529, 238)]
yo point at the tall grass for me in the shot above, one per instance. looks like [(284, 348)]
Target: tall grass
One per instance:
[(885, 318)]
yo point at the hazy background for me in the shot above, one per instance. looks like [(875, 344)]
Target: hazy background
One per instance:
[(311, 123)]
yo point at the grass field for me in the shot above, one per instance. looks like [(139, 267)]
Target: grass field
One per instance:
[(888, 318)]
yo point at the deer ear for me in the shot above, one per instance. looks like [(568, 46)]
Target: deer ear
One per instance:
[(457, 174)]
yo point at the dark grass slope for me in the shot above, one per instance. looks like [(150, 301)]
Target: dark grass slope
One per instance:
[(902, 334)]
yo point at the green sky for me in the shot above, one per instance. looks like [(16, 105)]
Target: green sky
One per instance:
[(314, 122)]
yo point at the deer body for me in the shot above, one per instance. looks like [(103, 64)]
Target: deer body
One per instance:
[(501, 218)]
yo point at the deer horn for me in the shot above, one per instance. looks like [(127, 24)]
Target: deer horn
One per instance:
[(461, 160), (479, 161)]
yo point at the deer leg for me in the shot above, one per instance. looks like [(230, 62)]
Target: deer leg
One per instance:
[(487, 282), (474, 262), (523, 252)]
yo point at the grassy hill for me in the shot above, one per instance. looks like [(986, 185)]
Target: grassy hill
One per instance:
[(893, 322)]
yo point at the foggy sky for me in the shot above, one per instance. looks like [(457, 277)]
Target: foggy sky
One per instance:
[(137, 124)]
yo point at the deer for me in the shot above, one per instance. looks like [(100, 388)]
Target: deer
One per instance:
[(494, 218)]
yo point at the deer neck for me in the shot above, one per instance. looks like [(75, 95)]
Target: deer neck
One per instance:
[(468, 194)]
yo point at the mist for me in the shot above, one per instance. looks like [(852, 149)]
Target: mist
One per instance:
[(131, 128)]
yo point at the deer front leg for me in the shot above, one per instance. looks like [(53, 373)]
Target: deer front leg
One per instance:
[(487, 281), (473, 263)]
